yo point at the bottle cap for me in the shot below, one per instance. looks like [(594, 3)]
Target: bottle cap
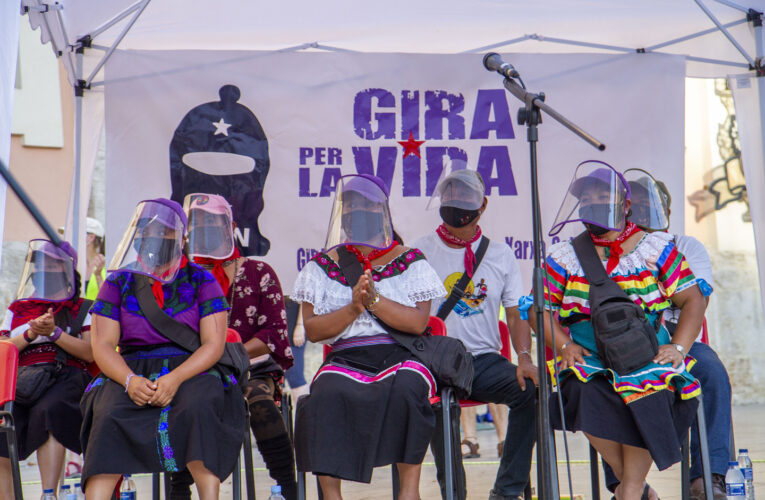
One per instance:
[(276, 489), (743, 450), (732, 464), (48, 491), (64, 486), (76, 485), (126, 475)]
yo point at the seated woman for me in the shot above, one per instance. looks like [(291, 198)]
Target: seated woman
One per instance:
[(638, 417), (49, 325), (368, 405), (257, 314), (157, 407)]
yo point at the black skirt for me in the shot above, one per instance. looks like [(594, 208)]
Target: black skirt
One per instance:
[(56, 413), (657, 422), (205, 421), (368, 407)]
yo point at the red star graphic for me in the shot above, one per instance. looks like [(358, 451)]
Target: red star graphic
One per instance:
[(411, 147)]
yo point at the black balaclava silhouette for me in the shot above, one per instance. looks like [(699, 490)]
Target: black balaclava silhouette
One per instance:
[(220, 148)]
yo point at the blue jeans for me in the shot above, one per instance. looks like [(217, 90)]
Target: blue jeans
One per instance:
[(495, 381), (715, 386)]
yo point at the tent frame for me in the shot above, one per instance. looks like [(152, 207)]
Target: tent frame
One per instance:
[(74, 57)]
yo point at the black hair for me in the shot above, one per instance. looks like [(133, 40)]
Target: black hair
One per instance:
[(397, 238), (63, 317)]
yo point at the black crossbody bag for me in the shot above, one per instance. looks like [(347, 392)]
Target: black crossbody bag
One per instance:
[(32, 381), (625, 339), (234, 359), (446, 358), (458, 290)]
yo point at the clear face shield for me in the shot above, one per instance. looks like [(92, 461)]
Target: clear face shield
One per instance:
[(597, 196), (153, 242), (649, 204), (360, 215), (48, 273), (211, 230)]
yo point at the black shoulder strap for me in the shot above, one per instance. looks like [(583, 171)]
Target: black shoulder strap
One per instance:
[(76, 326), (349, 266), (593, 269), (458, 290), (177, 332), (589, 259)]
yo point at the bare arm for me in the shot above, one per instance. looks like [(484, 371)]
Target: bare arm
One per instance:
[(520, 336), (573, 352), (692, 305), (325, 326), (212, 334), (256, 347), (79, 348)]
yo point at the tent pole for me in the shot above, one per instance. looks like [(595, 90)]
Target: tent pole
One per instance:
[(725, 32), (119, 17), (78, 94), (117, 41), (685, 38), (733, 5)]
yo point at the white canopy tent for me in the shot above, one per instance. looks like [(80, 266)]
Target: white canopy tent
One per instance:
[(718, 38)]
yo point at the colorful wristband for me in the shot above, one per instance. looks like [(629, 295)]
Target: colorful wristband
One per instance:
[(56, 334), (127, 380), (26, 337)]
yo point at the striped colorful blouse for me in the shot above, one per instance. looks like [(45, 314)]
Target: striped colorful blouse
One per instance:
[(650, 275)]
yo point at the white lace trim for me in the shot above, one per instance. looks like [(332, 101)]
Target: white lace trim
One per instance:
[(418, 283), (644, 255)]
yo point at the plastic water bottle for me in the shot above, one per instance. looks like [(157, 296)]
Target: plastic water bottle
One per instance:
[(734, 482), (70, 495), (276, 493), (127, 490), (64, 491), (48, 495), (745, 464), (78, 491)]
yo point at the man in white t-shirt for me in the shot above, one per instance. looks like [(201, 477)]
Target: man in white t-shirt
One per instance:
[(650, 210), (494, 282)]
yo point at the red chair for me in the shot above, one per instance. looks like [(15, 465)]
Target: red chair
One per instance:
[(9, 362)]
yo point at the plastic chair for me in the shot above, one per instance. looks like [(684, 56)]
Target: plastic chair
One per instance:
[(9, 362), (438, 327)]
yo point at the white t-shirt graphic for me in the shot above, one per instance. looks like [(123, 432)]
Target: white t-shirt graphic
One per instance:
[(496, 282)]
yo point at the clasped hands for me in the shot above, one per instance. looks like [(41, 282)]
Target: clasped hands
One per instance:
[(364, 293), (43, 325), (143, 391)]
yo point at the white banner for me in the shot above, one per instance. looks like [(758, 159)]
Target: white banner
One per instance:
[(274, 131), (749, 99)]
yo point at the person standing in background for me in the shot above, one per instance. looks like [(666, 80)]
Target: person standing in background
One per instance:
[(95, 273)]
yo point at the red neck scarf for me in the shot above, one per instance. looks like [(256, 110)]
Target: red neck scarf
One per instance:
[(448, 237), (615, 247), (367, 259), (26, 310), (156, 287), (217, 268)]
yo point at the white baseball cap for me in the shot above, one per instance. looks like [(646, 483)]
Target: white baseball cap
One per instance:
[(95, 227)]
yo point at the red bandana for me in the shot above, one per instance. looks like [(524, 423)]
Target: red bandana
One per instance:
[(469, 255), (615, 247), (374, 254), (217, 269), (156, 287)]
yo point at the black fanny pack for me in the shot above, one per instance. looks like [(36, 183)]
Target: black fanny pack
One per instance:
[(446, 358), (234, 360), (625, 339)]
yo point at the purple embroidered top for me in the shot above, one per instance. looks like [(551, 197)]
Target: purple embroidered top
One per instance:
[(193, 295), (257, 309)]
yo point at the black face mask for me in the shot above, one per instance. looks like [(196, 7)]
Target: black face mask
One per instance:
[(363, 225), (50, 283), (153, 251), (207, 239), (596, 212), (458, 217)]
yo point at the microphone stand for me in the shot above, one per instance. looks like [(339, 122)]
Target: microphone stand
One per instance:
[(531, 116)]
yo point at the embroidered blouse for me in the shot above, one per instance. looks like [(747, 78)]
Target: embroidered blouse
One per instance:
[(650, 275), (407, 279), (257, 309), (193, 295)]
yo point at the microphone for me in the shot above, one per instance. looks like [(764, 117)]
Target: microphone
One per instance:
[(493, 62)]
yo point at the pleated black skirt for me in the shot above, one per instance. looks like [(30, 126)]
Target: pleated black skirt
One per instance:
[(206, 421), (368, 407)]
